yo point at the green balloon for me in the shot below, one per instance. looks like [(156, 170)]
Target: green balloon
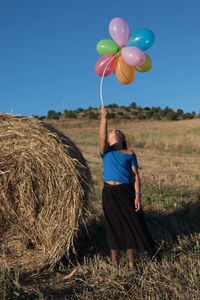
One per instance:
[(106, 47)]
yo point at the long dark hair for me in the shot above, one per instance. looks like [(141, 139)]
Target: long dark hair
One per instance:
[(124, 143)]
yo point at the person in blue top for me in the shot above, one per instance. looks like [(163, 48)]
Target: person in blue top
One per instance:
[(121, 196)]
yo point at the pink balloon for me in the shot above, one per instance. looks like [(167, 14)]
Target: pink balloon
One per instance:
[(119, 31), (103, 62), (133, 56)]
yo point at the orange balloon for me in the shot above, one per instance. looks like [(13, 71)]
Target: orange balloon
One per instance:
[(124, 72), (114, 70)]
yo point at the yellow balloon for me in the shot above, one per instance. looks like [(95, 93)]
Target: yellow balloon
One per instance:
[(124, 72), (146, 66)]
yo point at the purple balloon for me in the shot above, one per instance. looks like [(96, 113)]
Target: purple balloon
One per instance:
[(119, 31), (133, 56)]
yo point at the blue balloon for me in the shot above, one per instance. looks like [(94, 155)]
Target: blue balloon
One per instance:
[(143, 39)]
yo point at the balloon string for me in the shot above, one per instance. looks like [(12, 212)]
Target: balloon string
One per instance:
[(103, 77)]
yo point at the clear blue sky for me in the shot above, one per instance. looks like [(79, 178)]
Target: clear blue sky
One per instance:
[(48, 53)]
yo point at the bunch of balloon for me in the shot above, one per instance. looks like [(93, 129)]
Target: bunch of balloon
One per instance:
[(124, 54)]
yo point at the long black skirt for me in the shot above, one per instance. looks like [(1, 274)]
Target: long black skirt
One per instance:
[(125, 228)]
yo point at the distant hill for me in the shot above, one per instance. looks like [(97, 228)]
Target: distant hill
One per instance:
[(131, 112)]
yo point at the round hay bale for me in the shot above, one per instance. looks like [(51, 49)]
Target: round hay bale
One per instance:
[(44, 186)]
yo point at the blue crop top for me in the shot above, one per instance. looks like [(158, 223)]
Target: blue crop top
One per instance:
[(117, 166)]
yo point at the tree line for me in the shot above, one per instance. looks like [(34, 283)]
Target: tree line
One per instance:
[(132, 112)]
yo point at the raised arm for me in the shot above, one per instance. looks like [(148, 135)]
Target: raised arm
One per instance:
[(103, 130)]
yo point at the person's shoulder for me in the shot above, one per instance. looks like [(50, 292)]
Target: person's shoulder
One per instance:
[(107, 150), (130, 152)]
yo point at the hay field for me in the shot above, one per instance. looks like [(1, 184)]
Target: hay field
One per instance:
[(169, 159), (168, 152)]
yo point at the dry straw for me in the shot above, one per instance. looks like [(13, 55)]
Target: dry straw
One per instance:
[(44, 187)]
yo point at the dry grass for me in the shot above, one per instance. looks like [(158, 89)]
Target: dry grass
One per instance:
[(168, 152), (170, 181), (175, 278), (44, 184)]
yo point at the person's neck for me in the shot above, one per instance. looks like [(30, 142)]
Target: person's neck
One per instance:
[(117, 146)]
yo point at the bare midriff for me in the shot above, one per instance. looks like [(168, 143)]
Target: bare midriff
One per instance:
[(114, 182)]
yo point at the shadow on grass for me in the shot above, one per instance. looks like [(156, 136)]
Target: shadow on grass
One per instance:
[(167, 227), (164, 227), (182, 221), (89, 242)]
